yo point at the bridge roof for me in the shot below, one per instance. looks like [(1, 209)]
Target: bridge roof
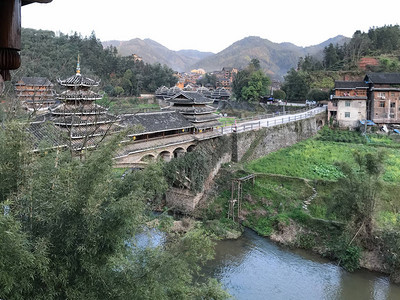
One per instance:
[(190, 98), (157, 121)]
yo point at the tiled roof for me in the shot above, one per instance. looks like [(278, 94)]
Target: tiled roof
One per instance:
[(79, 95), (202, 89), (84, 120), (35, 81), (219, 93), (89, 109), (173, 91), (190, 97), (383, 78), (188, 88), (162, 90), (46, 134), (350, 84), (78, 80), (157, 121)]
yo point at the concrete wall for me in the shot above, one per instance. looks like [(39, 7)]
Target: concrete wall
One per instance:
[(357, 110), (255, 144), (246, 146)]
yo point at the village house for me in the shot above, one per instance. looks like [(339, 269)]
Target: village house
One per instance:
[(383, 97), (35, 93), (348, 105), (377, 98)]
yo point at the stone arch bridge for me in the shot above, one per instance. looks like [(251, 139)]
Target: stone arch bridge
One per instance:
[(137, 154)]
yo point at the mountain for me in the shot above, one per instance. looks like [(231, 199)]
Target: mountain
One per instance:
[(275, 58), (153, 52)]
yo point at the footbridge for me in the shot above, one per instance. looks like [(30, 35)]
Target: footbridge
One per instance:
[(139, 153)]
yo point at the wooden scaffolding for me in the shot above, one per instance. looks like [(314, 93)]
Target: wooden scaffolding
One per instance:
[(237, 191)]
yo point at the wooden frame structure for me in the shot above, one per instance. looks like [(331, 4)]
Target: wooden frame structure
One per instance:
[(235, 204)]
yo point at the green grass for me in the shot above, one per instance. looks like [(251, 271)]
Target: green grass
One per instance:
[(226, 121), (316, 159)]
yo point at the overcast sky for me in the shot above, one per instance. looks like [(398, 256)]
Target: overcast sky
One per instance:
[(212, 25)]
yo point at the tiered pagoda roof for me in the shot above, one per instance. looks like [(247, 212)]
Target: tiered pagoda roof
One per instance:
[(84, 121), (78, 80), (205, 91), (173, 91), (220, 94), (162, 93), (194, 107)]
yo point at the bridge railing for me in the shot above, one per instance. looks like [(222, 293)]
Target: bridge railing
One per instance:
[(268, 121)]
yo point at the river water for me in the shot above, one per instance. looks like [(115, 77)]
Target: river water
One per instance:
[(253, 267)]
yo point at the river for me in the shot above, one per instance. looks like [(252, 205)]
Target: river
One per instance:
[(253, 267)]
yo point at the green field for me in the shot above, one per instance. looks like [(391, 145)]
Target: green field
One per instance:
[(316, 159)]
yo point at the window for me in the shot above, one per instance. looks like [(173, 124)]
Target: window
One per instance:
[(382, 104), (381, 95), (393, 104), (392, 116), (392, 94), (347, 103), (335, 104), (347, 114)]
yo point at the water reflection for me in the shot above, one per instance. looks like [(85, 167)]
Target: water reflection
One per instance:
[(252, 267)]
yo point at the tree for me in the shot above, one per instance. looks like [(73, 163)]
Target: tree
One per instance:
[(331, 57), (309, 63), (239, 82), (279, 94), (317, 95), (254, 65), (295, 85), (256, 87), (208, 79), (358, 190), (71, 226), (251, 83)]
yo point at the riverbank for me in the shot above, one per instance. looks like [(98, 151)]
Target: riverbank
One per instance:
[(254, 267), (298, 206)]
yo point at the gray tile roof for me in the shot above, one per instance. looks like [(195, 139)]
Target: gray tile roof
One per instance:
[(78, 80), (383, 78), (157, 121), (34, 81), (220, 93), (350, 84), (46, 134), (190, 97)]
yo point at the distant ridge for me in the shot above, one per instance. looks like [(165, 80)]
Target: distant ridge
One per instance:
[(275, 58), (153, 52)]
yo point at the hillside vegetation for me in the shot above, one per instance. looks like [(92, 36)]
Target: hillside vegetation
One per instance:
[(335, 194), (374, 51), (45, 54)]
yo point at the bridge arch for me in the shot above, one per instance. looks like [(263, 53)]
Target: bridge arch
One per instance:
[(190, 148), (147, 158), (165, 155), (178, 152)]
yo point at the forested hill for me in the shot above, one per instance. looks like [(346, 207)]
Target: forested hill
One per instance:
[(377, 50), (276, 59), (46, 54), (381, 45), (153, 52)]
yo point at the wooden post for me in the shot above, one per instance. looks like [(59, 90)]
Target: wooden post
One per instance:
[(10, 37)]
